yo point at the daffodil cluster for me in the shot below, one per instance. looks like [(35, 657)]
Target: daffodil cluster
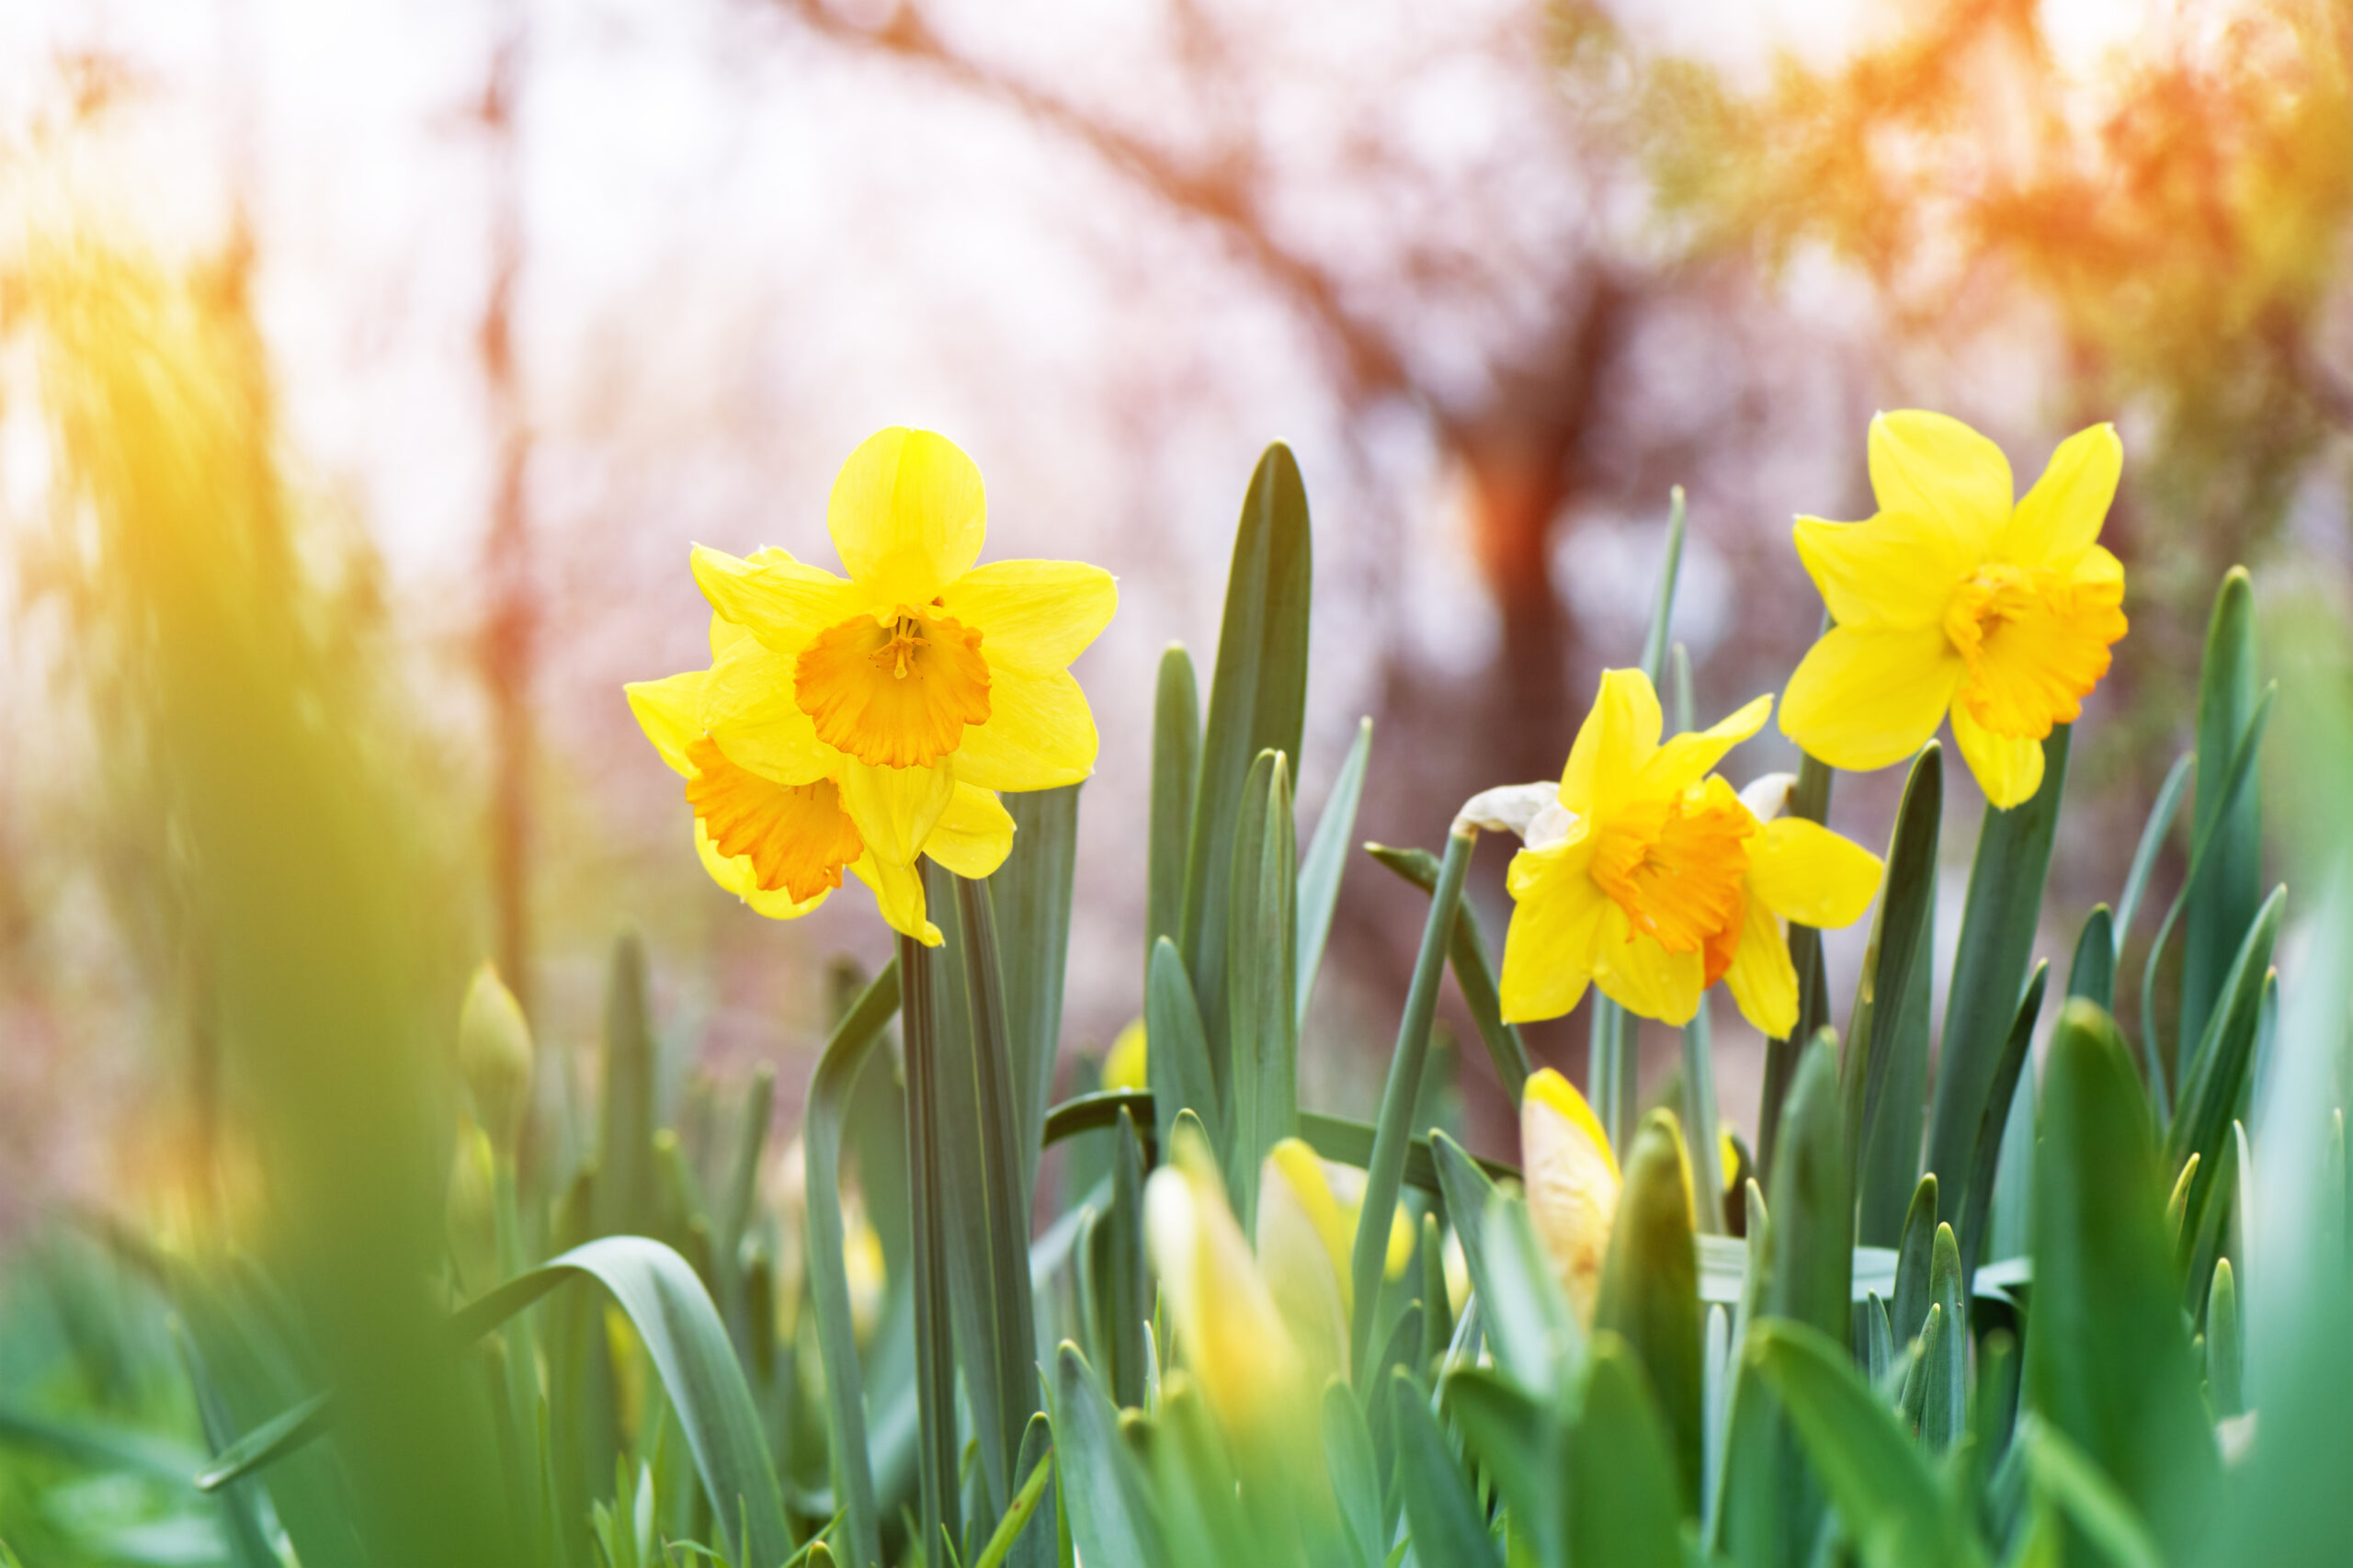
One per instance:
[(860, 723)]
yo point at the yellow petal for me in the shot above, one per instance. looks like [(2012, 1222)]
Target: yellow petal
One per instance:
[(748, 708), (898, 893), (739, 877), (2007, 768), (1930, 465), (1642, 977), (896, 808), (1803, 871), (1040, 735), (1572, 1183), (725, 633), (908, 515), (669, 711), (1762, 980), (1687, 758), (1891, 573), (2064, 511), (1862, 699), (1555, 926), (1616, 739), (784, 603), (1033, 615), (973, 836)]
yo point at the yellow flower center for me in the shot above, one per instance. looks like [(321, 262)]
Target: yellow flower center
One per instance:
[(893, 692), (798, 835), (2035, 643), (1677, 866)]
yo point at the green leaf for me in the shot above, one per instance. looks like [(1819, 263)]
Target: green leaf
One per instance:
[(1810, 801), (681, 1332), (1177, 1055), (1112, 1517), (2066, 1477), (2206, 854), (1944, 1417), (2091, 974), (624, 1191), (1523, 1447), (1626, 1496), (1327, 857), (2152, 840), (256, 1450), (1025, 1504), (1257, 703), (985, 1207), (1898, 1513), (846, 1053), (1122, 1283), (1175, 768), (2223, 1358), (1530, 1328), (1447, 1522), (2010, 1098), (2215, 1077), (2227, 819), (1913, 1256), (1700, 1113), (1401, 1094), (1262, 1026), (1474, 973), (1650, 1293), (1811, 1274), (2109, 1363), (1885, 1075), (1030, 896), (1997, 926), (928, 1010), (1356, 1478), (1351, 1142)]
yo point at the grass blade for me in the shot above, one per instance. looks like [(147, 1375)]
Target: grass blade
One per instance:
[(1183, 1072), (1262, 1029), (1448, 1524), (1650, 1298), (1811, 800), (2003, 1105), (2153, 839)]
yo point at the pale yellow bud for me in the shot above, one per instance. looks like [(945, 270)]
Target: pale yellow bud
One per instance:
[(495, 1053), (1228, 1327), (1123, 1067), (1572, 1183)]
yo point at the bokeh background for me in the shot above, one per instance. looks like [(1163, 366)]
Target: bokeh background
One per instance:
[(525, 297)]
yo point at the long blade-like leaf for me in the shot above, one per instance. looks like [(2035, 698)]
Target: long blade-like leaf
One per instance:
[(1327, 857)]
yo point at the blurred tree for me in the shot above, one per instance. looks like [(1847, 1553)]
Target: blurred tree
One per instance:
[(2176, 220)]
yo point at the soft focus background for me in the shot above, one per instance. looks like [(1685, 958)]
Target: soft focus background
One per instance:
[(529, 296)]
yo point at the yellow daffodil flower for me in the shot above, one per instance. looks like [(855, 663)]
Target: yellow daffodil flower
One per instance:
[(1229, 1329), (1572, 1183), (1646, 875), (1950, 600), (859, 722)]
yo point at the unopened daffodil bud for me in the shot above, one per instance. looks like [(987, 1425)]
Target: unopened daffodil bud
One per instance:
[(1304, 1237), (1572, 1183), (862, 1265), (1228, 1327), (1123, 1067), (469, 1204), (495, 1053)]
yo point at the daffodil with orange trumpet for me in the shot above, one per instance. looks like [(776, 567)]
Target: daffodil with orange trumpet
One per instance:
[(860, 723)]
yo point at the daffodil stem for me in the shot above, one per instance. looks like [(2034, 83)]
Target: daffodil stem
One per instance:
[(934, 1355), (1393, 1133)]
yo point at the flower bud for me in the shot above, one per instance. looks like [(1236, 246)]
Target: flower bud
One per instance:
[(495, 1053), (1572, 1183)]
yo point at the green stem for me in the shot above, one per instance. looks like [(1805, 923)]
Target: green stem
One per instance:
[(1394, 1132), (935, 1466)]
